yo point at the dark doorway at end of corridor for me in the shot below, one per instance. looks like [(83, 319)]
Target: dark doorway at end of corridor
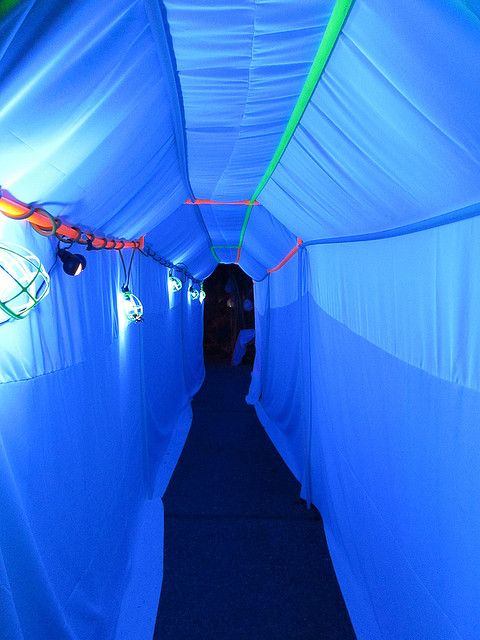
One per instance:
[(229, 310)]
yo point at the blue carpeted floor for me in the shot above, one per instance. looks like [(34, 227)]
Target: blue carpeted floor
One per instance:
[(244, 558)]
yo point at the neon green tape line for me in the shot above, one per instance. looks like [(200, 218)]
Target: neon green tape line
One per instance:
[(214, 248), (330, 37), (6, 5), (214, 254)]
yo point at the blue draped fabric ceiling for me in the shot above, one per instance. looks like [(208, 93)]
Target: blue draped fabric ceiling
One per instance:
[(142, 117)]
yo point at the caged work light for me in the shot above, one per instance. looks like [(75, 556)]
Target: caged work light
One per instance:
[(24, 281), (174, 282), (194, 292), (132, 306)]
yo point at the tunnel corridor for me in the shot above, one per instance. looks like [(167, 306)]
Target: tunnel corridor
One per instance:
[(327, 152)]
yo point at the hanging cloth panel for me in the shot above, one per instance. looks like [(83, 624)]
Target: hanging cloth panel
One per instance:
[(94, 414), (393, 461), (241, 68), (102, 150), (168, 239), (391, 134)]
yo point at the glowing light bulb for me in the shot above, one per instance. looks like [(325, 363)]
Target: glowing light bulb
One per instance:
[(174, 283), (194, 292), (132, 307), (202, 295), (23, 281)]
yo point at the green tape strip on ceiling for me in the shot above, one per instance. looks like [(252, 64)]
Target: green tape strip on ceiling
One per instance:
[(330, 37), (7, 5), (214, 248)]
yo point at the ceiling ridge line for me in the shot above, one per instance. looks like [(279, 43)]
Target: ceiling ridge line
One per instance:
[(329, 39)]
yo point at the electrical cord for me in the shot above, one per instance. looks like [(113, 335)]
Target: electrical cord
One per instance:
[(126, 273), (180, 267)]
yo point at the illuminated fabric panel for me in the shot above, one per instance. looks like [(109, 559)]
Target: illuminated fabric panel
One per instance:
[(390, 136)]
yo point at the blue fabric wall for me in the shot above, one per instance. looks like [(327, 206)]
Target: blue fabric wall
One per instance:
[(93, 417), (368, 383), (390, 135)]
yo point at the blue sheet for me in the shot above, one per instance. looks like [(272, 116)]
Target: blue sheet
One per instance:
[(94, 416), (390, 135), (377, 419)]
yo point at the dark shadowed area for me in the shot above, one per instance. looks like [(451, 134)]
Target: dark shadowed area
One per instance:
[(227, 311)]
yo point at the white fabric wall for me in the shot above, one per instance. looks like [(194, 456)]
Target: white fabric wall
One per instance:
[(368, 384), (93, 415)]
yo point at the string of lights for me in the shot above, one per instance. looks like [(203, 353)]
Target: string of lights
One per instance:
[(46, 224), (24, 281), (180, 268), (178, 274)]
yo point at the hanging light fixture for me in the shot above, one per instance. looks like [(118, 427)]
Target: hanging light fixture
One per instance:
[(194, 291), (174, 283), (24, 281), (132, 306), (73, 263)]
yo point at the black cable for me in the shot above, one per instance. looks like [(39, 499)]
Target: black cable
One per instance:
[(124, 268), (54, 263), (180, 267), (130, 268)]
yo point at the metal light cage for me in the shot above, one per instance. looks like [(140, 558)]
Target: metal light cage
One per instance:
[(194, 292), (24, 281), (132, 306), (175, 283)]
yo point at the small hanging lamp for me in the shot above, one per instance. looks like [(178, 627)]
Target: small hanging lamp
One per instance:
[(174, 282), (132, 306), (194, 291), (73, 263)]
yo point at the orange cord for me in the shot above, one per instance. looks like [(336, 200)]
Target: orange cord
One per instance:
[(289, 255), (47, 225)]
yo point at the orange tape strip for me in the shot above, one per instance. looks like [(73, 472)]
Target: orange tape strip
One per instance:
[(289, 255), (16, 210)]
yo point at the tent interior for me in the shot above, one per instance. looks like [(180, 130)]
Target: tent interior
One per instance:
[(331, 149)]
